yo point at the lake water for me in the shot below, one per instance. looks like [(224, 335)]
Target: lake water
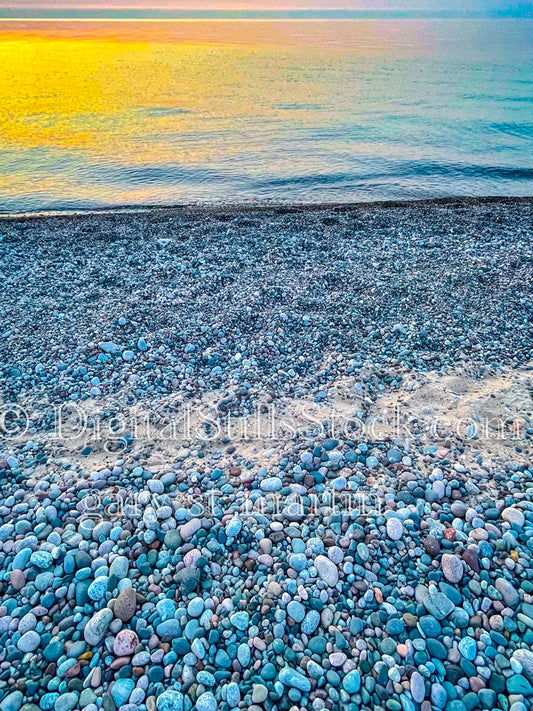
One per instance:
[(120, 113)]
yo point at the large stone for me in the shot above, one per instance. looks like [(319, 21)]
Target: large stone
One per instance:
[(188, 579), (352, 682), (121, 691), (170, 700), (119, 568), (12, 702), (173, 539), (513, 516), (29, 641), (471, 558), (206, 702)]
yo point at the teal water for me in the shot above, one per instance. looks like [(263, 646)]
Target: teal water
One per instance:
[(120, 113)]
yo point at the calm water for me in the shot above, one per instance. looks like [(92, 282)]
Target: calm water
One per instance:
[(114, 113)]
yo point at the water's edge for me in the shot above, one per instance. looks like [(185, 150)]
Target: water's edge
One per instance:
[(296, 207)]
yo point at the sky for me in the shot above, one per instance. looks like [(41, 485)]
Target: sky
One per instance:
[(179, 5), (431, 7)]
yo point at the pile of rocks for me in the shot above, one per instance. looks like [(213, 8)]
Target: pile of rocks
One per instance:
[(410, 586), (344, 573)]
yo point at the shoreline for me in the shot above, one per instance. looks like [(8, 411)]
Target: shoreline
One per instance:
[(368, 546), (458, 201)]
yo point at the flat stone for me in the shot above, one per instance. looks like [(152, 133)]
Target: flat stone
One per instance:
[(291, 677), (438, 605)]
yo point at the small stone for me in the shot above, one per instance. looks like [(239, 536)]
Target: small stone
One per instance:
[(337, 659), (327, 570), (125, 643), (431, 546), (394, 529), (125, 604)]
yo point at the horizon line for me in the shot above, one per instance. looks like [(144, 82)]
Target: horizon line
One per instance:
[(116, 13)]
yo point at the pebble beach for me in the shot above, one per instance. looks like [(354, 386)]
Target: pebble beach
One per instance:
[(328, 565)]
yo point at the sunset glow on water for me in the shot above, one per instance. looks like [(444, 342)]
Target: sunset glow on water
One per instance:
[(115, 113)]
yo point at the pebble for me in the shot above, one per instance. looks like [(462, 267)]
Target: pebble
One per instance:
[(327, 570), (452, 567), (212, 574), (206, 702), (513, 516), (97, 626), (125, 643), (126, 604), (394, 529)]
